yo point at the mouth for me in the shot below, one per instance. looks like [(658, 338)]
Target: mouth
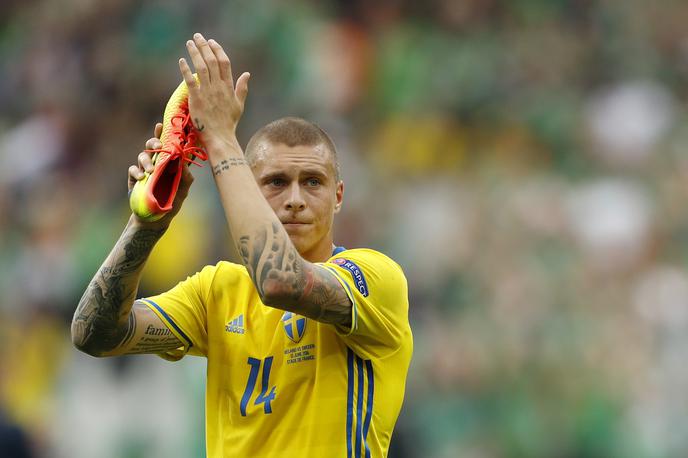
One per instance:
[(293, 224)]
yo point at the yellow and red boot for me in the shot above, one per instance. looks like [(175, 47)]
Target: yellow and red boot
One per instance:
[(153, 195)]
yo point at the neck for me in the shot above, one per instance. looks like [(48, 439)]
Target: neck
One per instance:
[(319, 253)]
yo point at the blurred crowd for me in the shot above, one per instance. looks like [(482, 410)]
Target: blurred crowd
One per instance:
[(525, 161)]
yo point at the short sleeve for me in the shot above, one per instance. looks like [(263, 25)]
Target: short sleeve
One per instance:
[(378, 290), (183, 309)]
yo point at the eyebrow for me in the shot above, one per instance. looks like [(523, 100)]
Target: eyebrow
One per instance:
[(305, 172)]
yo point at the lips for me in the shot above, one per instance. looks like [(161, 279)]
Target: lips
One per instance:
[(294, 225), (294, 222)]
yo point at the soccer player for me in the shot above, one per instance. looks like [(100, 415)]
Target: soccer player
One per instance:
[(308, 344)]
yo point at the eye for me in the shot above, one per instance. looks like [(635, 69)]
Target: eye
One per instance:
[(277, 182), (312, 182)]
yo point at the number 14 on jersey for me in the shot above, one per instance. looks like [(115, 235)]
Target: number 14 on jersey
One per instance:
[(263, 397)]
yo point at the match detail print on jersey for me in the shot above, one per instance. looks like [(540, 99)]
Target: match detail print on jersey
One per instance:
[(289, 385)]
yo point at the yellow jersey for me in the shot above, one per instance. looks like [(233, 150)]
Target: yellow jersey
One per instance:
[(282, 385)]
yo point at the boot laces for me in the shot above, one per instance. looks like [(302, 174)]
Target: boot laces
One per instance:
[(185, 143)]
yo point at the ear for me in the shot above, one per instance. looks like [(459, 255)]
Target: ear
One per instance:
[(339, 196)]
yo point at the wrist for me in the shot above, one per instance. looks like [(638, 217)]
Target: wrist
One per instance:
[(137, 225), (219, 148)]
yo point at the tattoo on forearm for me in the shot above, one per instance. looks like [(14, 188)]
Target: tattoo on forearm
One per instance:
[(155, 344), (272, 260), (131, 328), (155, 331), (97, 324), (225, 164), (275, 265), (327, 293)]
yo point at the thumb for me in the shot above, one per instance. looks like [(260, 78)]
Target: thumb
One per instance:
[(241, 90)]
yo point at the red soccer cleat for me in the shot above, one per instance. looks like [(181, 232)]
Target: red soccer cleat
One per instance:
[(153, 195)]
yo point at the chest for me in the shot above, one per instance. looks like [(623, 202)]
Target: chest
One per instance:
[(251, 337)]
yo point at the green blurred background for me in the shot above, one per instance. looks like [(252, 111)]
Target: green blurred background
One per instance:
[(524, 160)]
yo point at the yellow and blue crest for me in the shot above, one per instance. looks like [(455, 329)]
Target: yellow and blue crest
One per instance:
[(294, 326)]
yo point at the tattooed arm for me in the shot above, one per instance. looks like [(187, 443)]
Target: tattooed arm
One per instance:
[(285, 280), (107, 321), (282, 277)]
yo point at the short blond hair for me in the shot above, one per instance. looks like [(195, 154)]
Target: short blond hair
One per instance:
[(292, 131)]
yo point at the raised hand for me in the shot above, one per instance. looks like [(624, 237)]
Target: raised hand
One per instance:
[(145, 165), (215, 102)]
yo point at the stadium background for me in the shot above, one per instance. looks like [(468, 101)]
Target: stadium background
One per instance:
[(524, 160)]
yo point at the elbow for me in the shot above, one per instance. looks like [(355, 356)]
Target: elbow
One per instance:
[(83, 344), (272, 299), (282, 288), (85, 347), (90, 350), (278, 294)]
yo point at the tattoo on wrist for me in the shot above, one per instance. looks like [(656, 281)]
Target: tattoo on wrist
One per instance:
[(225, 164)]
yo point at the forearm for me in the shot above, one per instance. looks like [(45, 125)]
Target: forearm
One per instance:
[(278, 271), (283, 278), (102, 320)]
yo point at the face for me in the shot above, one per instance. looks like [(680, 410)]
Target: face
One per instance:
[(300, 185)]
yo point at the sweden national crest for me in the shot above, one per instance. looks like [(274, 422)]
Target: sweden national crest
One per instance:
[(294, 326)]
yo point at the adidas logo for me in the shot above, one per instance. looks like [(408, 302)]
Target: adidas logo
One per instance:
[(236, 325)]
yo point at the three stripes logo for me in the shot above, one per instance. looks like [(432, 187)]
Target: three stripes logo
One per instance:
[(236, 325)]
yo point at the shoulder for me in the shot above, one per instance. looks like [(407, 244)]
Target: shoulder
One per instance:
[(368, 257), (227, 268), (224, 274), (369, 269)]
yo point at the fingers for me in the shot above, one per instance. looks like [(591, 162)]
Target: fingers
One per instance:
[(146, 161), (241, 89), (198, 62), (153, 143), (224, 64), (208, 56), (145, 158), (203, 58), (134, 174), (189, 79)]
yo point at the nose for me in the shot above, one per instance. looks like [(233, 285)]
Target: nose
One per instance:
[(295, 201)]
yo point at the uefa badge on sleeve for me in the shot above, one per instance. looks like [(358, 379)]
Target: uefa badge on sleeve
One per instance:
[(356, 273)]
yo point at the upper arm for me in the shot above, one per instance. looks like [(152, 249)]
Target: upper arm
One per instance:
[(323, 298), (285, 280), (378, 291), (145, 332)]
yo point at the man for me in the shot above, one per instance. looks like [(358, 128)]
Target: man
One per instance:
[(308, 345)]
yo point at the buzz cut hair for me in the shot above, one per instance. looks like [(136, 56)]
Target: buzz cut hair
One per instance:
[(292, 131)]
